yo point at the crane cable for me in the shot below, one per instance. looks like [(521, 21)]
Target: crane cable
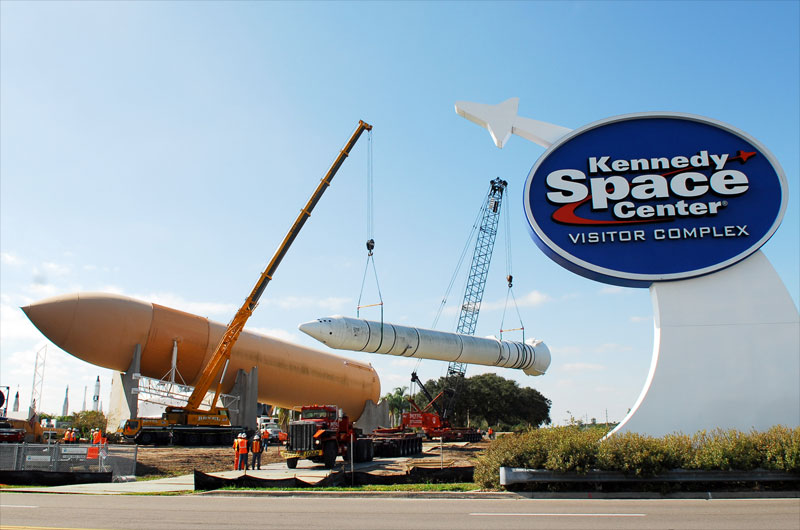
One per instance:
[(510, 279), (370, 239), (464, 251)]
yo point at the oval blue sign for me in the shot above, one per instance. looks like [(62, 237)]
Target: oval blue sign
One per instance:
[(639, 198)]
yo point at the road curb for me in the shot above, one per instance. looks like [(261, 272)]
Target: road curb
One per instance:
[(566, 495), (367, 494)]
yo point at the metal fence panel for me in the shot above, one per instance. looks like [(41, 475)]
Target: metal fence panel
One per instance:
[(120, 460)]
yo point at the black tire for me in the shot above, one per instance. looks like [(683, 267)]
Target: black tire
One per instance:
[(329, 451), (370, 451), (193, 439), (291, 463), (145, 438), (361, 450)]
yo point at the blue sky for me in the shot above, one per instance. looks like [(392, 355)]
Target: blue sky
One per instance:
[(161, 150)]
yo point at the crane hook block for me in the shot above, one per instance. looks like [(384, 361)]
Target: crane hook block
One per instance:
[(510, 280), (370, 246)]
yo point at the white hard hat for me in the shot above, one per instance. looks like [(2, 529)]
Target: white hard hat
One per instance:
[(256, 437)]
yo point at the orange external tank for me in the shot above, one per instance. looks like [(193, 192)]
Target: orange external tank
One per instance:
[(104, 329)]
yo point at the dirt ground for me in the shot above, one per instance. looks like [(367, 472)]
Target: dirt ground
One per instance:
[(159, 461)]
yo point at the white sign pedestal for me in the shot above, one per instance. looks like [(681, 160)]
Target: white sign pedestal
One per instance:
[(726, 354)]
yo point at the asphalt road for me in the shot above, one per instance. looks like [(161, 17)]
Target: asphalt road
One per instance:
[(44, 511)]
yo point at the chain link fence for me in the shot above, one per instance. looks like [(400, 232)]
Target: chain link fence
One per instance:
[(120, 460)]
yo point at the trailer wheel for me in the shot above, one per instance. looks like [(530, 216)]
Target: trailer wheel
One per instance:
[(291, 463), (329, 451)]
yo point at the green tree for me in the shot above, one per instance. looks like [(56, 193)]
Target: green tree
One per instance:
[(493, 401), (397, 403), (86, 420)]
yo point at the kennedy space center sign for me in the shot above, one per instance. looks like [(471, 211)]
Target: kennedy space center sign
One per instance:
[(654, 196)]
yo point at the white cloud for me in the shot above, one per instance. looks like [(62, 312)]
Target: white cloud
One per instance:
[(60, 370), (9, 258), (281, 334), (391, 381), (532, 299), (565, 350), (331, 303), (611, 347), (403, 361), (55, 268), (14, 325), (206, 309), (43, 289), (582, 367)]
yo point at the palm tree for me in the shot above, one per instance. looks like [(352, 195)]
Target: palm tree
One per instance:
[(397, 403)]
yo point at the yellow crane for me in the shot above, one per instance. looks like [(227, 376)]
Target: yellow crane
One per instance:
[(192, 415)]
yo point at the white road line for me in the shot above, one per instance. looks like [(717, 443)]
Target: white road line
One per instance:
[(560, 514), (17, 506)]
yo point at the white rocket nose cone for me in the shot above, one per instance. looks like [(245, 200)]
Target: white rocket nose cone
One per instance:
[(316, 329)]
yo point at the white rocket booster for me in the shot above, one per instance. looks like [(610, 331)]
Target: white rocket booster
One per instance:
[(65, 406), (96, 396), (345, 333)]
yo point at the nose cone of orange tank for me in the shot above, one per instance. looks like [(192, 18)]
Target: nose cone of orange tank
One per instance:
[(53, 316), (98, 328)]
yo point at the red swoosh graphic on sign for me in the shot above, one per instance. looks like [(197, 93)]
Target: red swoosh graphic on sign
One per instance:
[(566, 214)]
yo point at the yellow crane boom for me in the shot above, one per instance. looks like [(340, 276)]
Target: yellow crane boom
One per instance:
[(223, 351)]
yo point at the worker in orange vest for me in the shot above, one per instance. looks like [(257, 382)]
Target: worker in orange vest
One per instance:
[(491, 433), (94, 450), (256, 448), (97, 436), (65, 439), (236, 452), (241, 449)]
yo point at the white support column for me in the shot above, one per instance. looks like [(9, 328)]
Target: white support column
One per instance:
[(726, 354), (124, 401)]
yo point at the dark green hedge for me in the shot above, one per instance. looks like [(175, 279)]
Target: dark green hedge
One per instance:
[(578, 450)]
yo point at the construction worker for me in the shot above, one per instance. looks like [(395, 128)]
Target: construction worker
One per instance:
[(97, 436), (236, 451), (241, 448), (491, 433), (256, 447), (93, 452)]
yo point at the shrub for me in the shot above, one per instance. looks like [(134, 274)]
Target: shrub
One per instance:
[(573, 449), (634, 453), (779, 448), (679, 449), (726, 450), (556, 448)]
